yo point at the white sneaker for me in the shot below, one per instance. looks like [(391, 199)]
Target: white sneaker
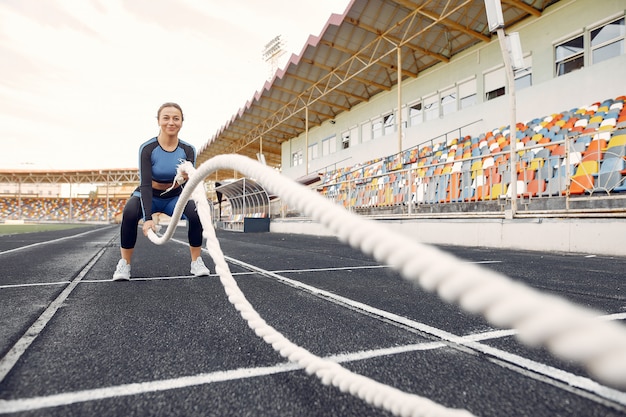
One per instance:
[(198, 268), (122, 272)]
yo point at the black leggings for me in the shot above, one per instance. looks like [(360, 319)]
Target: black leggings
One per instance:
[(133, 213)]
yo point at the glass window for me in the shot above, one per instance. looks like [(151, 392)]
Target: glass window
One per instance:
[(448, 101), (296, 158), (494, 83), (389, 123), (329, 146), (495, 93), (312, 153), (354, 135), (524, 76), (415, 113), (345, 140), (366, 131), (431, 107), (467, 93), (377, 128), (569, 56), (607, 41)]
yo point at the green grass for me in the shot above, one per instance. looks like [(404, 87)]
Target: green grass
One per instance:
[(11, 229)]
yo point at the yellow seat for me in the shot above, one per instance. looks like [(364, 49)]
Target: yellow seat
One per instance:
[(536, 163), (618, 140), (596, 119), (497, 190), (586, 168)]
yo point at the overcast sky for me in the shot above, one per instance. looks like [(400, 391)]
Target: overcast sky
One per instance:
[(81, 81)]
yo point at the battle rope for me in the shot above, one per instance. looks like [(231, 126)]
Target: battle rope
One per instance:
[(568, 331)]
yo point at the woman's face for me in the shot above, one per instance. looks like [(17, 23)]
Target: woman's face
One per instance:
[(170, 120)]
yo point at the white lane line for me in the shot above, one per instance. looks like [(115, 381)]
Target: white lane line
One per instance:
[(34, 284), (564, 378), (49, 241), (125, 390), (11, 358)]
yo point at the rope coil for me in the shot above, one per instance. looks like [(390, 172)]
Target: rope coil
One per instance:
[(568, 331)]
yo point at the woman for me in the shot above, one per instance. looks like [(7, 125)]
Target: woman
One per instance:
[(158, 160)]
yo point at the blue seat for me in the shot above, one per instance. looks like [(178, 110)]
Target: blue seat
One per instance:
[(556, 185), (618, 151), (610, 175)]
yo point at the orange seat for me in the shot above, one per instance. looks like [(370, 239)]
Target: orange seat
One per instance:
[(581, 183), (535, 188)]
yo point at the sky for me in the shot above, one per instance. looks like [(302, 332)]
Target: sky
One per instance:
[(81, 80)]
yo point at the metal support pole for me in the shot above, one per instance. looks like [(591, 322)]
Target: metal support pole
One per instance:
[(513, 123), (70, 204), (306, 140), (399, 115)]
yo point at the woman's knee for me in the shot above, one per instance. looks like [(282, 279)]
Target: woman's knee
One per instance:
[(132, 209)]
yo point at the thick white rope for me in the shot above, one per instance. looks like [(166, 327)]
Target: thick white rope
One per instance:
[(570, 332), (379, 395)]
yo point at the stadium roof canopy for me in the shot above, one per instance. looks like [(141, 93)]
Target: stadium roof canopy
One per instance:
[(99, 176), (354, 58)]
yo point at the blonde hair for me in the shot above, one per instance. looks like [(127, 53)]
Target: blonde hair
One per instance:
[(170, 104)]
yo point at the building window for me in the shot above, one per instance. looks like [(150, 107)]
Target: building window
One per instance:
[(297, 159), (448, 101), (431, 107), (415, 113), (366, 132), (345, 140), (377, 128), (494, 83), (389, 123), (329, 145), (524, 76), (569, 55), (312, 152), (467, 93), (607, 41)]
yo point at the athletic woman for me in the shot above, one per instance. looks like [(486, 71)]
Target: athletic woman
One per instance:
[(158, 159)]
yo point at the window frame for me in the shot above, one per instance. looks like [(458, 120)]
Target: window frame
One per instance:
[(620, 39)]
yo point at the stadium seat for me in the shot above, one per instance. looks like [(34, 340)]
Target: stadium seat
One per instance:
[(617, 151), (581, 184), (535, 188), (587, 167), (611, 175), (497, 190), (556, 185), (594, 150), (616, 140)]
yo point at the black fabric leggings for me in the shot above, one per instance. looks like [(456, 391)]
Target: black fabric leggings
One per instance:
[(132, 214)]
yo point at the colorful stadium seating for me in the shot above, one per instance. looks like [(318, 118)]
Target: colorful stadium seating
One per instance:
[(477, 168), (58, 209)]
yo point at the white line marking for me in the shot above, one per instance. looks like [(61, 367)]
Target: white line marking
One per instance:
[(67, 398), (11, 358), (49, 241), (36, 284), (27, 404), (553, 373)]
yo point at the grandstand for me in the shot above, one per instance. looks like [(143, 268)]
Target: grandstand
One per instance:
[(575, 152), (65, 210), (401, 110)]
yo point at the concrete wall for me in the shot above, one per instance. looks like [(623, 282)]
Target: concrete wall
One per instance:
[(601, 237)]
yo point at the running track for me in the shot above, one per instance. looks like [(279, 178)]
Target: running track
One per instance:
[(166, 344)]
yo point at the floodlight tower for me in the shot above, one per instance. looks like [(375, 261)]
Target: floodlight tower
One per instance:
[(511, 49), (272, 52)]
